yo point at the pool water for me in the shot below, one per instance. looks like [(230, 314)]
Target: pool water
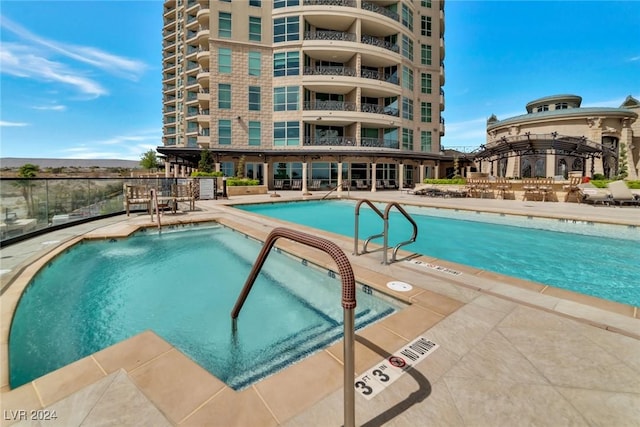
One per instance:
[(597, 260), (182, 285)]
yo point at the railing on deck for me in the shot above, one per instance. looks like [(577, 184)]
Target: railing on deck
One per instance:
[(35, 205)]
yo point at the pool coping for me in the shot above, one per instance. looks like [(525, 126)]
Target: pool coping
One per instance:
[(423, 301)]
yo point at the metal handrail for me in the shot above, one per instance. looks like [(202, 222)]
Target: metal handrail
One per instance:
[(348, 301), (385, 231), (356, 227)]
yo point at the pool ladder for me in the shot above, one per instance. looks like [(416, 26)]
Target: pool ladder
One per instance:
[(385, 231), (348, 302)]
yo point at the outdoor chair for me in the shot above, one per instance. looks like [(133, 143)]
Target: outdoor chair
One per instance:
[(360, 185), (136, 195), (183, 193), (621, 194), (589, 193), (296, 184), (278, 184), (572, 189), (315, 184)]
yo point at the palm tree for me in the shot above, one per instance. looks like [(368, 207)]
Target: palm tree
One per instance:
[(27, 172)]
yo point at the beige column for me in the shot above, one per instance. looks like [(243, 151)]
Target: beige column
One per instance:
[(305, 192), (339, 179), (217, 166), (400, 176), (167, 170), (421, 173), (436, 170), (175, 170), (373, 177), (265, 174), (551, 164)]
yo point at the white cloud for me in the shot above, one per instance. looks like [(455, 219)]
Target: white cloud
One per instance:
[(634, 58), (50, 107), (124, 147), (41, 59), (12, 124)]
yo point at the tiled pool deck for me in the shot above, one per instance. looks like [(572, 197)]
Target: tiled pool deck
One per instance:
[(511, 352)]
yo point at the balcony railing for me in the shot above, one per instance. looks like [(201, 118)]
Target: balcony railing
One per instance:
[(379, 143), (330, 35), (341, 141), (381, 10), (379, 109), (346, 3), (379, 43), (330, 71), (377, 75), (329, 105)]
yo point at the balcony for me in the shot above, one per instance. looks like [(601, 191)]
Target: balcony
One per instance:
[(203, 36), (441, 99), (203, 57), (169, 99), (192, 21), (191, 4), (204, 97), (379, 109), (334, 141), (441, 126), (330, 71), (441, 74), (329, 105), (203, 17), (374, 41), (377, 75), (203, 117), (203, 77), (330, 35), (372, 7), (379, 143), (344, 3)]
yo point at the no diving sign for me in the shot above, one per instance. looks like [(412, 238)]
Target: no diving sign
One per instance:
[(390, 369)]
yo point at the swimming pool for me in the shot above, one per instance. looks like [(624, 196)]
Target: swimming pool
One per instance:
[(182, 285), (591, 259)]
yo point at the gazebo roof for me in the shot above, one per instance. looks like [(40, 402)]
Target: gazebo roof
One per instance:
[(528, 144)]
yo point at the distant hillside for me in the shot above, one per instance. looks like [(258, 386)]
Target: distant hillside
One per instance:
[(16, 162)]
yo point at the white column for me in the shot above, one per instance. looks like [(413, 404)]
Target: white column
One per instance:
[(265, 174), (400, 176), (217, 166), (304, 179), (421, 173), (175, 170), (167, 170), (373, 177), (339, 179), (437, 170)]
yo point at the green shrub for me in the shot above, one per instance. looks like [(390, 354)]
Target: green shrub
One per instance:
[(634, 185), (602, 183), (237, 182), (599, 177), (453, 181), (206, 174)]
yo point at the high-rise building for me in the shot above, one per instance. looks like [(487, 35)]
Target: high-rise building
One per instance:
[(331, 91)]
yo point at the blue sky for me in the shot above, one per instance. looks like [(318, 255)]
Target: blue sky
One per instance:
[(82, 79)]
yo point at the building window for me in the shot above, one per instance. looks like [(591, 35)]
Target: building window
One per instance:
[(407, 77), (562, 106), (425, 54), (255, 133), (407, 139), (285, 98), (224, 132), (285, 3), (407, 17), (224, 96), (425, 26), (425, 82), (286, 29), (224, 60), (542, 108), (255, 64), (407, 47), (286, 133), (224, 25), (425, 141), (407, 108), (227, 169), (425, 3), (286, 64), (254, 98), (256, 3), (425, 112), (255, 28)]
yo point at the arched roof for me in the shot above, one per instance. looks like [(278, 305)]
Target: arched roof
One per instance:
[(571, 99), (568, 113), (527, 144)]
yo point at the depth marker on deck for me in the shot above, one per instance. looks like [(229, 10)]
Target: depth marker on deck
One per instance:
[(390, 369), (434, 267)]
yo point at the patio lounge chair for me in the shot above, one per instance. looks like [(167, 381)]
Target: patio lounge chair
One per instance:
[(183, 193), (589, 193), (315, 184), (621, 194), (572, 189), (360, 185), (278, 184), (296, 184)]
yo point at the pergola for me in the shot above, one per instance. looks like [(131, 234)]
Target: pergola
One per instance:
[(529, 144)]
